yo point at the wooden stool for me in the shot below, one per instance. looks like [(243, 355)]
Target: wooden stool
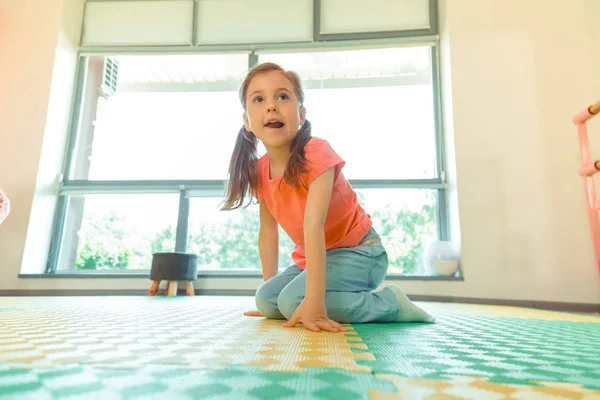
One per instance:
[(173, 267)]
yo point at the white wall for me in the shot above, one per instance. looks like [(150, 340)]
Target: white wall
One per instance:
[(54, 138), (29, 33), (517, 76)]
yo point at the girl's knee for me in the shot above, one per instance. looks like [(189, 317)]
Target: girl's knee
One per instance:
[(287, 304), (266, 301)]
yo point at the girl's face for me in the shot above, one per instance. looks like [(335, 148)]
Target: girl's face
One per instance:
[(273, 113)]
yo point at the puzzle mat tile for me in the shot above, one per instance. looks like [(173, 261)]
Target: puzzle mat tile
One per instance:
[(174, 383), (198, 332), (508, 311), (466, 387), (499, 349)]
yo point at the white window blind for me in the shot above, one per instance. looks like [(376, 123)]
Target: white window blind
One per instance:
[(351, 16), (220, 22), (165, 22), (254, 21)]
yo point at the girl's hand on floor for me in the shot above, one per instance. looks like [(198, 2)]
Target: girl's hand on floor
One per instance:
[(314, 317), (253, 313)]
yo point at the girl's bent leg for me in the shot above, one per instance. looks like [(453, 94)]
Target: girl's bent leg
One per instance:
[(352, 275), (268, 293)]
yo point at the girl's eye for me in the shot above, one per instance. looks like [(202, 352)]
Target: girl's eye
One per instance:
[(257, 99), (282, 96)]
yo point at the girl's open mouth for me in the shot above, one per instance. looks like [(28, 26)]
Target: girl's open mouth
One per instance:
[(274, 125)]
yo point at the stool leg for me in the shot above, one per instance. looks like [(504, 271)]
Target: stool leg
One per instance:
[(154, 288), (172, 288), (189, 288)]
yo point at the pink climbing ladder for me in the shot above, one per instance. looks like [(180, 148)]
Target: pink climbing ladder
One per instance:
[(587, 171)]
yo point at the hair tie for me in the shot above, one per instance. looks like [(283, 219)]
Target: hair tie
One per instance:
[(246, 137)]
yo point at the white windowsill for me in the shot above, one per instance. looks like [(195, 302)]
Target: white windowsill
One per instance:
[(207, 274)]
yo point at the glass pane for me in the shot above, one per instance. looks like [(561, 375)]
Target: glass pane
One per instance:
[(117, 232), (159, 117), (406, 220), (374, 106), (228, 240)]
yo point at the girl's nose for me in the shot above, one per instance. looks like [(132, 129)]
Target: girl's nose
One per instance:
[(271, 109)]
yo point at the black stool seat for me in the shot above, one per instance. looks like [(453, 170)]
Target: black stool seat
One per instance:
[(173, 267)]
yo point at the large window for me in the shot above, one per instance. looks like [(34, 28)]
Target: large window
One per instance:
[(156, 114), (152, 136)]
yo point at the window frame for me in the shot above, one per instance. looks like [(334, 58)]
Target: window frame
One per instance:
[(210, 188)]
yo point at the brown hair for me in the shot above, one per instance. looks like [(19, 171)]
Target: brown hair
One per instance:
[(242, 167)]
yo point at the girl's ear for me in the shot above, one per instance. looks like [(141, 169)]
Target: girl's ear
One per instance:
[(246, 122), (302, 115)]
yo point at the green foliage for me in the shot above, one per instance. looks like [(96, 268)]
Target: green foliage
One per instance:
[(102, 246), (108, 243), (229, 245), (164, 241), (404, 234), (96, 257)]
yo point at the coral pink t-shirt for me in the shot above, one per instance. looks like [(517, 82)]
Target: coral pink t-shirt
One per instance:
[(346, 223)]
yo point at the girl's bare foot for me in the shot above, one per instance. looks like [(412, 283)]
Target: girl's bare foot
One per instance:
[(253, 313)]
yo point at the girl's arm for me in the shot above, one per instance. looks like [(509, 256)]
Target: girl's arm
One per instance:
[(313, 311), (315, 214), (268, 243), (268, 248)]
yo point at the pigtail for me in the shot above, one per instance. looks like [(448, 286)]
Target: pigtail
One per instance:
[(242, 171), (297, 163)]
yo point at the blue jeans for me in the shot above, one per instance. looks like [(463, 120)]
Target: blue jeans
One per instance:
[(352, 275)]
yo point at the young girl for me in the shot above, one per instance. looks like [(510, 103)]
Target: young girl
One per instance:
[(339, 259)]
